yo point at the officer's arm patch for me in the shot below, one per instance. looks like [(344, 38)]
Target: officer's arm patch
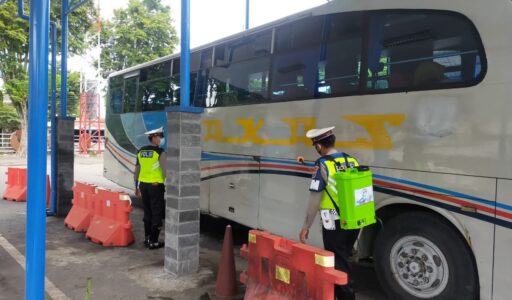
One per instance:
[(315, 185)]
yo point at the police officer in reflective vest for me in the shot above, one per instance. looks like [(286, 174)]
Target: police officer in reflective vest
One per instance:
[(149, 179), (323, 194)]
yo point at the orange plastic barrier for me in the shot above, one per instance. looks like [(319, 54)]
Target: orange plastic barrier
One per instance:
[(80, 215), (16, 186), (111, 225), (280, 269)]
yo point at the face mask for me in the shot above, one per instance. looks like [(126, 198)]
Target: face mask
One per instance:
[(162, 142)]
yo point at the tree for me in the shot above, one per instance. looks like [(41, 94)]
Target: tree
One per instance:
[(9, 120), (73, 94), (14, 53), (138, 33)]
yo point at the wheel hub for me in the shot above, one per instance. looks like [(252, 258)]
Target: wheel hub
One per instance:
[(419, 266)]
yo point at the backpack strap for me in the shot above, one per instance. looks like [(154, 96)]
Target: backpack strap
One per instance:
[(333, 202), (338, 164)]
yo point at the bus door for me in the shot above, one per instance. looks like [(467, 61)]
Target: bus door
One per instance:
[(503, 241), (234, 188), (284, 195)]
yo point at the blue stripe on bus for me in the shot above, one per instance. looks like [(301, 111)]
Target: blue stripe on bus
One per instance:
[(288, 162), (206, 156), (213, 157), (429, 187), (479, 216), (118, 160), (447, 192), (482, 217), (122, 149)]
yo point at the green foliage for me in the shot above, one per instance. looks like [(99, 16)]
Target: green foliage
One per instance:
[(17, 89), (13, 42), (9, 119), (14, 56), (139, 33), (73, 103), (79, 23), (14, 35), (73, 93)]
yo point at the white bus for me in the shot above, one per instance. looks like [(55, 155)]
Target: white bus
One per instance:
[(419, 90)]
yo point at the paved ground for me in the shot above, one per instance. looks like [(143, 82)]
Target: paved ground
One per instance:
[(73, 263)]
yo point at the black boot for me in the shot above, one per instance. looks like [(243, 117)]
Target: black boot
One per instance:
[(147, 233), (153, 240)]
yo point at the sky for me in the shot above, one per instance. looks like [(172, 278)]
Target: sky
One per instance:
[(209, 19)]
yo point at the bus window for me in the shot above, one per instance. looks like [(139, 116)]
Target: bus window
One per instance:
[(130, 94), (340, 63), (238, 84), (240, 75), (175, 83), (253, 46), (201, 86), (115, 87), (295, 61), (206, 58), (195, 58), (414, 51), (176, 67), (176, 91), (155, 87)]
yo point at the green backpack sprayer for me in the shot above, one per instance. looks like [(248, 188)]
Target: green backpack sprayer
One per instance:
[(355, 205)]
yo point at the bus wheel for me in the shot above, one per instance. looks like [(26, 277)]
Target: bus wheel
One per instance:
[(419, 256)]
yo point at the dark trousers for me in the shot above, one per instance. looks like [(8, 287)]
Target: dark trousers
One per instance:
[(341, 243), (154, 204)]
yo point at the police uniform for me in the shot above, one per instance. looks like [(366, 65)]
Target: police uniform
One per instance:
[(150, 180), (335, 239)]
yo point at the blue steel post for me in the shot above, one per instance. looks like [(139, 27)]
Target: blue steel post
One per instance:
[(37, 118), (185, 55), (64, 61), (53, 171), (247, 9), (21, 12), (75, 6)]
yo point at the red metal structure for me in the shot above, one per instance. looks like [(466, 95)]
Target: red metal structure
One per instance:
[(89, 135)]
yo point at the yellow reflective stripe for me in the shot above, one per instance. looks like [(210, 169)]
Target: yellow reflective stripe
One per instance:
[(332, 189), (252, 238), (324, 261), (283, 274)]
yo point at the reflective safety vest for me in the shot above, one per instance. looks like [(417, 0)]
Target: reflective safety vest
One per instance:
[(330, 186), (149, 161)]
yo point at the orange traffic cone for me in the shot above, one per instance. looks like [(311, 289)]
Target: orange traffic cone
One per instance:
[(226, 277)]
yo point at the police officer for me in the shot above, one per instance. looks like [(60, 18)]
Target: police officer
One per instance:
[(149, 179), (323, 198)]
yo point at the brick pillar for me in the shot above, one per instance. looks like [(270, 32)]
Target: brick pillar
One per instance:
[(65, 164), (182, 193)]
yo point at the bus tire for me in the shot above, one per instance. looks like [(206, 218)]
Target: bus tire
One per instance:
[(420, 256)]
